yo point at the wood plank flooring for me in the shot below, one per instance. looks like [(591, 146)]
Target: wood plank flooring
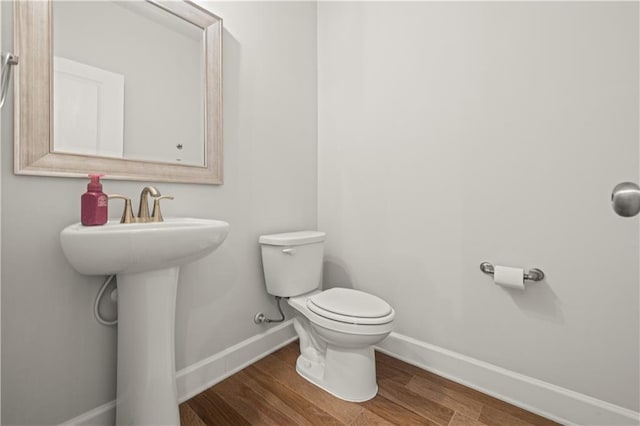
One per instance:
[(270, 392)]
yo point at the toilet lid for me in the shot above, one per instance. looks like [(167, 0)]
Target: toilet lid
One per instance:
[(352, 306)]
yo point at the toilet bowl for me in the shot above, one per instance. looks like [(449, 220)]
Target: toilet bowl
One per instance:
[(337, 355), (337, 327)]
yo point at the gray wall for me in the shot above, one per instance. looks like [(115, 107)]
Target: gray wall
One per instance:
[(57, 362), (453, 133)]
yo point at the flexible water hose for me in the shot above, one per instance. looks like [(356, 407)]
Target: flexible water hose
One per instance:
[(96, 304), (260, 317), (278, 299)]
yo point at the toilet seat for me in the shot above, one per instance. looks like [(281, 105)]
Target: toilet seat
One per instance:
[(350, 307), (301, 304)]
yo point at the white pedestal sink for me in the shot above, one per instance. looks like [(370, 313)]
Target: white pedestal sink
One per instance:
[(146, 258)]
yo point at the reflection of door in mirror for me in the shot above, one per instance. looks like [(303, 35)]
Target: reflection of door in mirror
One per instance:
[(128, 82), (88, 109)]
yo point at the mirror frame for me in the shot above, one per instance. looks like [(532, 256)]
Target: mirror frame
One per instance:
[(33, 106)]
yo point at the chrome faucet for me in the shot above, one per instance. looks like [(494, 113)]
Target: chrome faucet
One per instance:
[(143, 208)]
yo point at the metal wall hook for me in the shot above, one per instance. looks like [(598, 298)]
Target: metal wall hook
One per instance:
[(534, 274), (8, 60)]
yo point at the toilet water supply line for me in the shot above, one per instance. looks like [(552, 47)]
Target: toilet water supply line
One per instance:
[(96, 304), (260, 317)]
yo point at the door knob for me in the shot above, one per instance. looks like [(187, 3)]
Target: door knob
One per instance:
[(625, 199)]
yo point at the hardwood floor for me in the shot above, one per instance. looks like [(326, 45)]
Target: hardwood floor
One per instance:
[(270, 392)]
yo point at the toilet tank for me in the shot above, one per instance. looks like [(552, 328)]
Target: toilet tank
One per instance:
[(292, 262)]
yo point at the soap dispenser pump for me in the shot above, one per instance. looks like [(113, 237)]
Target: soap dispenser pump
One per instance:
[(94, 209)]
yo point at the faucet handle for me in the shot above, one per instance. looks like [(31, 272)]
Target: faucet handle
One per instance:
[(127, 214), (156, 215)]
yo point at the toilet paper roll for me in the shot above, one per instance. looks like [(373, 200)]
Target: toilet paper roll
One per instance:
[(509, 277)]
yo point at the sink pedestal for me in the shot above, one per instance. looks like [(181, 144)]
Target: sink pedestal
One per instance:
[(147, 393), (146, 257)]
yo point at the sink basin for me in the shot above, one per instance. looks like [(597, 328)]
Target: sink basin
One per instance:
[(117, 248), (146, 258)]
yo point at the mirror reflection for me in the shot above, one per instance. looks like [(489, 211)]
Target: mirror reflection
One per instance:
[(128, 82)]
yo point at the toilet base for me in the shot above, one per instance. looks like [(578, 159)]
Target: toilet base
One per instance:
[(348, 374)]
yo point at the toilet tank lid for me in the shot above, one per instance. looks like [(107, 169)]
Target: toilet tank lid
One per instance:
[(292, 238)]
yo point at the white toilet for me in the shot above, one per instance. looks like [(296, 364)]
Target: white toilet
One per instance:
[(337, 327)]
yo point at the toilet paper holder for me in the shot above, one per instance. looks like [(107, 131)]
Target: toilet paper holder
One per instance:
[(534, 274)]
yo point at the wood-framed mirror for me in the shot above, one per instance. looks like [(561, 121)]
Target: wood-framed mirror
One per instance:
[(176, 136)]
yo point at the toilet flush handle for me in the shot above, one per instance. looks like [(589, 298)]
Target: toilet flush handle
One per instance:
[(289, 251)]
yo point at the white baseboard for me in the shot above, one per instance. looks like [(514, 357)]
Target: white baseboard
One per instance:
[(551, 401), (202, 375), (104, 415)]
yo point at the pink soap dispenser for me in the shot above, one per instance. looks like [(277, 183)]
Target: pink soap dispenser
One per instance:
[(94, 203)]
